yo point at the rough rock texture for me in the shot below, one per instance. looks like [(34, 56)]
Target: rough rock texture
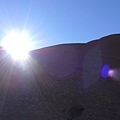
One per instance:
[(62, 82)]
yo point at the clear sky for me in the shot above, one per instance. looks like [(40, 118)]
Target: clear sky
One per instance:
[(54, 22)]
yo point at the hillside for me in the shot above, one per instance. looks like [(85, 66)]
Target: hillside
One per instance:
[(62, 82)]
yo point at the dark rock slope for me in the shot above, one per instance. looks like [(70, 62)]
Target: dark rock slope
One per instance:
[(62, 82)]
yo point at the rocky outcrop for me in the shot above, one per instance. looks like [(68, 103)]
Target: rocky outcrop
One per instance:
[(62, 82)]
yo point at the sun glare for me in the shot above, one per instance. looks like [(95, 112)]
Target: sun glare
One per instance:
[(17, 44)]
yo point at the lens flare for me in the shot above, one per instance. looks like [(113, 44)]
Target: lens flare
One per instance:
[(115, 74), (112, 73), (105, 71)]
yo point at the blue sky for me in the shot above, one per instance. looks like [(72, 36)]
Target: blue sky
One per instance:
[(54, 22)]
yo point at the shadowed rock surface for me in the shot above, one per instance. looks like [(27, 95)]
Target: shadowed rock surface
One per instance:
[(62, 82)]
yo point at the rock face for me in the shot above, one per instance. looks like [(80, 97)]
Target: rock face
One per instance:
[(62, 82)]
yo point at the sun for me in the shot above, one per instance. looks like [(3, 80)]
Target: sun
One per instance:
[(17, 44)]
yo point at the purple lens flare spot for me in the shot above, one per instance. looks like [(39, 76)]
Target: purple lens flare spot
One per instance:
[(105, 71)]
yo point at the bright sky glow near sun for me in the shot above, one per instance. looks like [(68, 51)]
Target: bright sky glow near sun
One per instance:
[(52, 22), (17, 44)]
